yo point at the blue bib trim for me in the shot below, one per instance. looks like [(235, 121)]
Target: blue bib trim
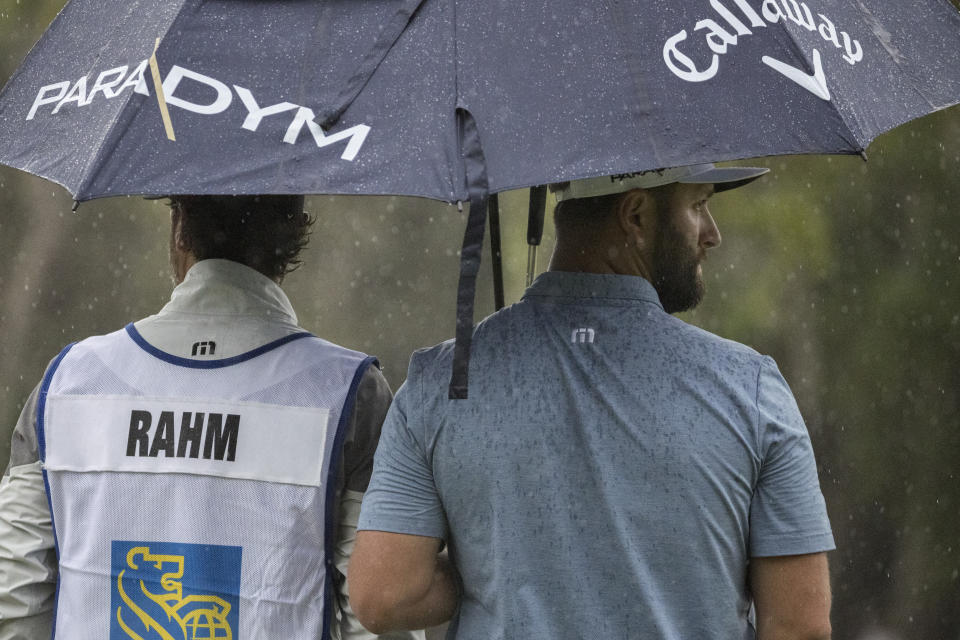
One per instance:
[(329, 535), (42, 448), (210, 364)]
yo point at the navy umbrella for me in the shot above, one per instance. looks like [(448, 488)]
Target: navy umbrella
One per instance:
[(454, 100)]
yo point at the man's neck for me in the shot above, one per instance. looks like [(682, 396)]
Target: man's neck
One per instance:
[(591, 260)]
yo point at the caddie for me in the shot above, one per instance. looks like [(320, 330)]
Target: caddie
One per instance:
[(198, 473)]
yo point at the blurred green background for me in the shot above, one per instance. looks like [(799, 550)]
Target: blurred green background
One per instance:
[(847, 273)]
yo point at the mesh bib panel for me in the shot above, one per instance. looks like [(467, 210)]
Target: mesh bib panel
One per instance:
[(191, 501)]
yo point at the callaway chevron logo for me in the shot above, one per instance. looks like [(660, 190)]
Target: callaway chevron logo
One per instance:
[(736, 19)]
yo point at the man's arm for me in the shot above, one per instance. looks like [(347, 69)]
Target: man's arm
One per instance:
[(792, 597), (370, 408), (789, 527), (397, 578), (399, 581), (28, 564)]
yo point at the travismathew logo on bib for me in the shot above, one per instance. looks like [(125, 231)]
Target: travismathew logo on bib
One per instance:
[(174, 591)]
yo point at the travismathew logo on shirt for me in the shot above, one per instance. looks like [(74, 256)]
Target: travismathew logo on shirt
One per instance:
[(217, 432)]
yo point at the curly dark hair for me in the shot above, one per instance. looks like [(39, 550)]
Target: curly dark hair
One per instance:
[(263, 232)]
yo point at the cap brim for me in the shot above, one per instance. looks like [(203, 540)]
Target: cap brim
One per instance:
[(726, 178)]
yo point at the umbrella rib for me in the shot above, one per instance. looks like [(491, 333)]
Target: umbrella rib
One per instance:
[(370, 62), (123, 118), (161, 99), (855, 138), (883, 36)]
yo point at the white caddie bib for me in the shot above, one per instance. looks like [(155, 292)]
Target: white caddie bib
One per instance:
[(194, 499)]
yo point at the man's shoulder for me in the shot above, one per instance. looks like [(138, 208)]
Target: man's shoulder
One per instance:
[(98, 340), (713, 343), (314, 341), (692, 349), (488, 332), (426, 360)]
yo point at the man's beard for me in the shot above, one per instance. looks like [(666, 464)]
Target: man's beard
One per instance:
[(675, 275)]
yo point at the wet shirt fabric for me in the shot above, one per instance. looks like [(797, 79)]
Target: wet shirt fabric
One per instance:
[(610, 475)]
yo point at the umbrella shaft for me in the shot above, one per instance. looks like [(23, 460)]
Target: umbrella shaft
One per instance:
[(531, 263), (495, 250)]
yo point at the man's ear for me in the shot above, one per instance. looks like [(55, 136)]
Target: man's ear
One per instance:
[(636, 215)]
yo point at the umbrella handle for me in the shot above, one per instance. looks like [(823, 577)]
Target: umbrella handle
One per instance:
[(531, 263), (535, 215)]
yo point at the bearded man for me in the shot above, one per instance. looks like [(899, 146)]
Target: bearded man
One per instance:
[(616, 472)]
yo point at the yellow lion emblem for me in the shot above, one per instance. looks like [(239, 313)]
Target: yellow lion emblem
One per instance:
[(196, 617)]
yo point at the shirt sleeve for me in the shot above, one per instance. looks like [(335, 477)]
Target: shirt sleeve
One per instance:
[(28, 564), (788, 515), (372, 401), (403, 497)]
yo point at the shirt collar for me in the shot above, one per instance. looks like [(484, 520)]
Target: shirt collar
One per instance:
[(215, 287), (569, 284)]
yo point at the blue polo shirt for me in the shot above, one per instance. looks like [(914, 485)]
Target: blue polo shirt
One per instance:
[(610, 475)]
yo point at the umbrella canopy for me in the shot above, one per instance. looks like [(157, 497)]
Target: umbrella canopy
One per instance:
[(245, 85), (372, 96), (452, 99)]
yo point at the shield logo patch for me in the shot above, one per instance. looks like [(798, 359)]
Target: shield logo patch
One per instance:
[(170, 590)]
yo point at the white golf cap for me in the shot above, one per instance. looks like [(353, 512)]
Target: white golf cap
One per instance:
[(723, 177)]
